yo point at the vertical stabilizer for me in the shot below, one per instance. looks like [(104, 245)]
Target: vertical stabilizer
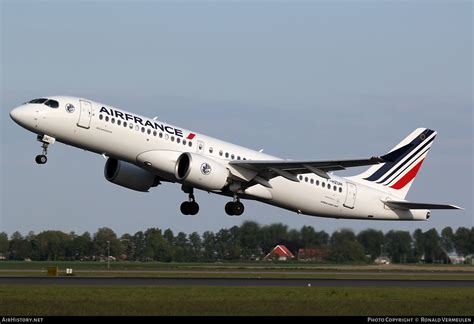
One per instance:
[(397, 175)]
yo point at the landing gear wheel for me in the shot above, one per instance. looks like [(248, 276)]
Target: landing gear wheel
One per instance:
[(41, 159), (185, 208), (229, 208), (238, 208), (189, 208), (193, 208)]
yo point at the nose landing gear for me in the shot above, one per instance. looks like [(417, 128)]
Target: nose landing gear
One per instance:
[(45, 140)]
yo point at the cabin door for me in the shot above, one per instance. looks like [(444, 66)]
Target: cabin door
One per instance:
[(85, 115), (351, 195)]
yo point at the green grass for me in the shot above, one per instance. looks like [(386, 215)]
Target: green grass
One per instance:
[(239, 270), (268, 266), (38, 300), (243, 274)]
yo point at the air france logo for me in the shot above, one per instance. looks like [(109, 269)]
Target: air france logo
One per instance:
[(206, 168), (70, 108), (144, 122)]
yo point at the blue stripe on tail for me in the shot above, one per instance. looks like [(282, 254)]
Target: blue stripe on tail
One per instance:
[(400, 155)]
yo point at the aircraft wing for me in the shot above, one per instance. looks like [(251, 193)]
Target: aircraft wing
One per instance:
[(413, 205), (286, 167), (267, 169)]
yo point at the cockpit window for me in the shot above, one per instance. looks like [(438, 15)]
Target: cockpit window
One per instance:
[(52, 103), (38, 101)]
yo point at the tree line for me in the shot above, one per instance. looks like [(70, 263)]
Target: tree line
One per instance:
[(249, 241)]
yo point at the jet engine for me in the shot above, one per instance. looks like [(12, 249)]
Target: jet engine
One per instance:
[(129, 175), (201, 172)]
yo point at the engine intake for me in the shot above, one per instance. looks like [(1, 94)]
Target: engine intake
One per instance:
[(201, 172), (129, 175)]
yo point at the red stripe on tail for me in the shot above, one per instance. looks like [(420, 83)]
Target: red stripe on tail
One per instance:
[(407, 177)]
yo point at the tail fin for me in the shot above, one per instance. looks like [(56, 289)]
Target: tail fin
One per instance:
[(397, 175)]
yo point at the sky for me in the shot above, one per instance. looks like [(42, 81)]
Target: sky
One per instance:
[(302, 80)]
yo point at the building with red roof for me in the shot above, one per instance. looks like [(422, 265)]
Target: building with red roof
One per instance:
[(279, 252)]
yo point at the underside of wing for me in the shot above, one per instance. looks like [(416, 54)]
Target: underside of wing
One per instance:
[(414, 205)]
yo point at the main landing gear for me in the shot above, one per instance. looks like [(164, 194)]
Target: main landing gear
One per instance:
[(45, 140), (190, 207), (234, 208)]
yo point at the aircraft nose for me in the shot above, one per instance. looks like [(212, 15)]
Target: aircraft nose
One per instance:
[(20, 115)]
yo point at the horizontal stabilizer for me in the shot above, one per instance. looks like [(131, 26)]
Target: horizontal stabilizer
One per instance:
[(413, 205)]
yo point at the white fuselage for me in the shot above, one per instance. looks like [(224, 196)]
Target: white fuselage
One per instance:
[(100, 128)]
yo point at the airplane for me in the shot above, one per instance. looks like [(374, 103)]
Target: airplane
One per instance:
[(142, 153)]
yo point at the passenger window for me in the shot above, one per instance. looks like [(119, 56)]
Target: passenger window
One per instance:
[(340, 189), (148, 131), (167, 136), (311, 180), (130, 126), (317, 182), (301, 177), (184, 142), (220, 152), (172, 138), (178, 140), (232, 156), (119, 122), (101, 117), (137, 128), (154, 133), (238, 157), (305, 179), (335, 188), (190, 143), (226, 155), (113, 120), (329, 186), (323, 184), (143, 129), (161, 135), (124, 124), (106, 118), (211, 150)]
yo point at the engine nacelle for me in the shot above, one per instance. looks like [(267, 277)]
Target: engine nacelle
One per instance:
[(201, 172), (421, 214), (129, 175)]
